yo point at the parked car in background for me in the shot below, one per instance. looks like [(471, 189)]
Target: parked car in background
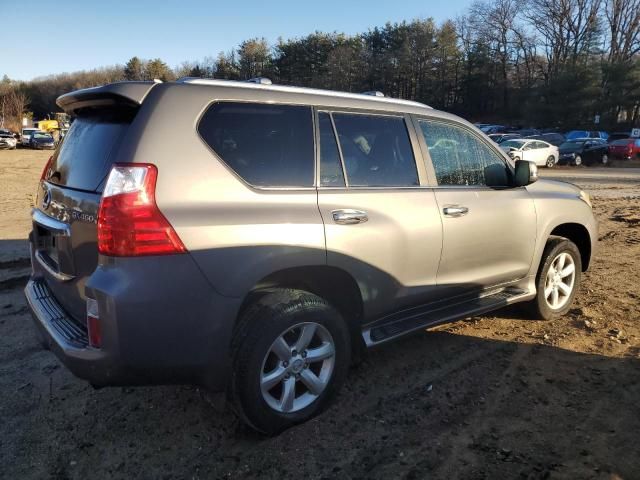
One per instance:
[(556, 139), (582, 134), (502, 137), (532, 150), (25, 136), (526, 132), (619, 136), (626, 148), (41, 140), (7, 141), (493, 129), (584, 151)]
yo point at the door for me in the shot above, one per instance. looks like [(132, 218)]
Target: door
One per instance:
[(531, 152), (489, 227), (593, 152), (381, 224), (538, 153), (64, 236)]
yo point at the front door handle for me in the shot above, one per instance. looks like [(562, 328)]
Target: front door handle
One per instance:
[(455, 211), (347, 216)]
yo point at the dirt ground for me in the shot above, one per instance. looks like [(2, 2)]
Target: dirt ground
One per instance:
[(496, 397)]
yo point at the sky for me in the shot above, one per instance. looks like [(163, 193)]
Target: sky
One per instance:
[(70, 35)]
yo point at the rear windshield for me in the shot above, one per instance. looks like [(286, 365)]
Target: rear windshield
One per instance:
[(625, 141), (88, 150)]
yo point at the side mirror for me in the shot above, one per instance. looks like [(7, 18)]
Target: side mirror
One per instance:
[(526, 173)]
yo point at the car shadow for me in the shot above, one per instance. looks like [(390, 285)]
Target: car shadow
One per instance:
[(435, 404)]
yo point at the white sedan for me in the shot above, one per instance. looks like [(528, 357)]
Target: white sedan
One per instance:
[(542, 153)]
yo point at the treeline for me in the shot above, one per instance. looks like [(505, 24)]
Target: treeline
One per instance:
[(551, 63)]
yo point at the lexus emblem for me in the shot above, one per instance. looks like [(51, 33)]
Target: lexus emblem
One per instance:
[(46, 200)]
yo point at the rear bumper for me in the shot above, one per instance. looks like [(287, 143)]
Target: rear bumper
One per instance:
[(161, 323), (59, 333)]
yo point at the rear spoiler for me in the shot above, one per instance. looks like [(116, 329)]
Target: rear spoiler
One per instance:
[(128, 94)]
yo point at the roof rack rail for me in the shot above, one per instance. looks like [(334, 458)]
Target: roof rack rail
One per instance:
[(261, 80), (374, 93)]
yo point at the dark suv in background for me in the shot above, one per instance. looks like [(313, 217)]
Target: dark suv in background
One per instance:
[(287, 230)]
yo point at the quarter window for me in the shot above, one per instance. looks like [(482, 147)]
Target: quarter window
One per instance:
[(376, 150), (459, 158), (267, 145)]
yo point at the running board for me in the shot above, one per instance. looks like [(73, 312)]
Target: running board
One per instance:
[(430, 315)]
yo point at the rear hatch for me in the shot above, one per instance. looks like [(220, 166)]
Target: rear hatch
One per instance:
[(64, 236)]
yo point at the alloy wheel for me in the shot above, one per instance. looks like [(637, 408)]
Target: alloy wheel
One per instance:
[(560, 281), (297, 367), (577, 161)]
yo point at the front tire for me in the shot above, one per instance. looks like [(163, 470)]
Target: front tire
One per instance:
[(557, 280), (291, 353), (577, 161), (551, 161), (605, 159)]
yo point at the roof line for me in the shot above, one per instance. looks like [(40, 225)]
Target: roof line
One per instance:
[(284, 88)]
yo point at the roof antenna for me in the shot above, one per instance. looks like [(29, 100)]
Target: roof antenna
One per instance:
[(374, 93)]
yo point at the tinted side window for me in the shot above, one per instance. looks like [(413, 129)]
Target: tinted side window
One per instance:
[(376, 150), (330, 166), (459, 158), (267, 145)]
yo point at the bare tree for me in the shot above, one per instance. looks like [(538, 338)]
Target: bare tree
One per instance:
[(494, 24), (623, 21), (566, 27), (13, 105)]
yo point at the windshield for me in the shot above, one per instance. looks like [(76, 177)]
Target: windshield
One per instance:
[(513, 144), (41, 135)]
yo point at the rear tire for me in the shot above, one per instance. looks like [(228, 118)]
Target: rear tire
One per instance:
[(577, 161), (605, 160), (551, 161), (274, 385), (557, 280)]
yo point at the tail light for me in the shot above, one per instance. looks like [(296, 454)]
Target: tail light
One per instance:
[(47, 166), (130, 223)]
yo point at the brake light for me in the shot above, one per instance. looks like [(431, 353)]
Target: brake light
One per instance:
[(130, 223), (47, 166)]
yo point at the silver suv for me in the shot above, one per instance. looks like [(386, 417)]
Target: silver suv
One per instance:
[(255, 238)]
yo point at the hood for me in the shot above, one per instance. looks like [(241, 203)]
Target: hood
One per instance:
[(554, 187), (508, 149)]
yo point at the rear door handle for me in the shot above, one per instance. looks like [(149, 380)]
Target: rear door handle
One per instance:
[(455, 211), (348, 216)]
